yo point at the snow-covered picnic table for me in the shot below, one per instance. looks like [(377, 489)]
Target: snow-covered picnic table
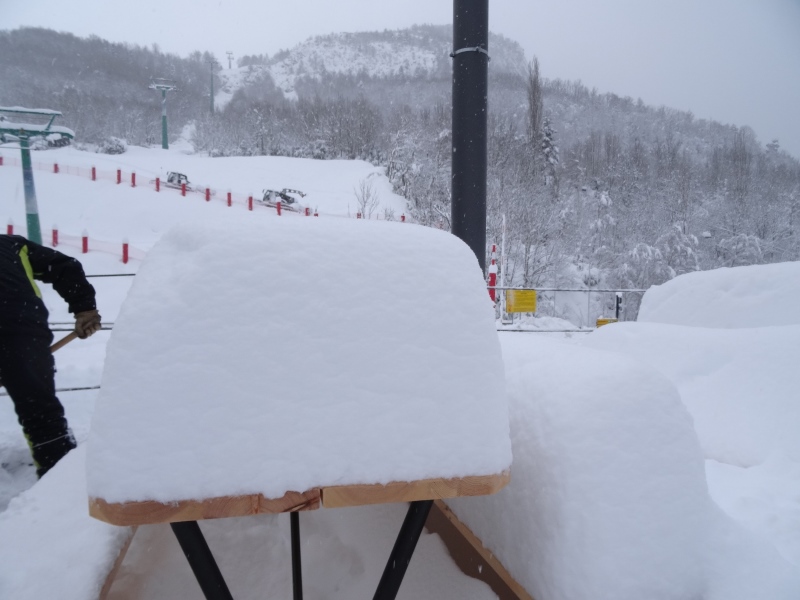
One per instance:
[(294, 363)]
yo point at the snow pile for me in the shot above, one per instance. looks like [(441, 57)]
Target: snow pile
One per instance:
[(235, 367), (740, 385), (738, 378), (754, 296), (51, 547), (607, 496), (533, 322), (764, 498)]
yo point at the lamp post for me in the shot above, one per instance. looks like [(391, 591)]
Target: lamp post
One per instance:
[(470, 73), (164, 86)]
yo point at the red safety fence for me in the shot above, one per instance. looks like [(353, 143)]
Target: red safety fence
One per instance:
[(88, 244)]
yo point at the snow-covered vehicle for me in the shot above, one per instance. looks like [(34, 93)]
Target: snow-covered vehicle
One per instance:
[(287, 197), (176, 180)]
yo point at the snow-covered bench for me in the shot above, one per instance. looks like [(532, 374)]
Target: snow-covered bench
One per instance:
[(284, 364)]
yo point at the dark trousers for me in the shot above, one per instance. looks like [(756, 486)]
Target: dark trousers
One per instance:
[(27, 370)]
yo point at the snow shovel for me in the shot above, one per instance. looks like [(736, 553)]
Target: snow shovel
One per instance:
[(63, 341)]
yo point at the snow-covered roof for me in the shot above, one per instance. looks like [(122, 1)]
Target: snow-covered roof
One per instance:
[(31, 111), (291, 353), (35, 128)]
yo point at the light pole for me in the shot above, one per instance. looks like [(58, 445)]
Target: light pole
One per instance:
[(164, 86), (470, 74)]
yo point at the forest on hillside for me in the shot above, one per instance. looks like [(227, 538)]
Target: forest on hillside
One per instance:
[(100, 87), (596, 190)]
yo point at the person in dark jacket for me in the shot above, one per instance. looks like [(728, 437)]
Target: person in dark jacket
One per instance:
[(27, 368)]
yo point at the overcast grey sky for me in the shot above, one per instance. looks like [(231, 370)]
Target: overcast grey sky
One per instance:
[(736, 61)]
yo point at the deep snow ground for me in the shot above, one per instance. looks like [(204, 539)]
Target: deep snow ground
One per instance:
[(762, 499)]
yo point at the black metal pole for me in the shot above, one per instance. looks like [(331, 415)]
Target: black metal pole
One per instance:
[(201, 560), (470, 85), (403, 550), (297, 572)]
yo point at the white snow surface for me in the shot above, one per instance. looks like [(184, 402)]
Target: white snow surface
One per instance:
[(558, 504), (51, 547), (738, 378), (234, 369), (609, 495), (746, 377), (727, 298)]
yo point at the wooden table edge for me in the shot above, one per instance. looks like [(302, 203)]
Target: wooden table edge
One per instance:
[(410, 491), (151, 511)]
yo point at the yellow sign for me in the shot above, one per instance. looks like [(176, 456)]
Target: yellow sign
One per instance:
[(521, 301)]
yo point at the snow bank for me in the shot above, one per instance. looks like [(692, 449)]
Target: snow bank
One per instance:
[(51, 547), (754, 296), (294, 353), (765, 499), (740, 385), (607, 496)]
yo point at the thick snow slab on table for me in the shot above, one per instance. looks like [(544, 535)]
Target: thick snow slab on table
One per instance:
[(754, 296), (298, 353)]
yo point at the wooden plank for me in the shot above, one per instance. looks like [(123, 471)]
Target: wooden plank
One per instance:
[(112, 574), (471, 555), (409, 491), (149, 511), (141, 513)]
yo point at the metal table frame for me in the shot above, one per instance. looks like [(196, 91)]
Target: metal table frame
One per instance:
[(213, 585)]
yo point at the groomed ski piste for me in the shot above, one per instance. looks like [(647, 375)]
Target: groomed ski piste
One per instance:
[(656, 459)]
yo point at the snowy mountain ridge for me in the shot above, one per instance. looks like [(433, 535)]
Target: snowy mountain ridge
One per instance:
[(419, 51)]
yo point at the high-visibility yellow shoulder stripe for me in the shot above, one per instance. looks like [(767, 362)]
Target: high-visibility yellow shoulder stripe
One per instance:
[(26, 264)]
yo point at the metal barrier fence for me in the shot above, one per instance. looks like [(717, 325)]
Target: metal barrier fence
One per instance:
[(581, 307)]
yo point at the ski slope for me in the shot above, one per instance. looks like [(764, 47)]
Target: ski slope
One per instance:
[(613, 493)]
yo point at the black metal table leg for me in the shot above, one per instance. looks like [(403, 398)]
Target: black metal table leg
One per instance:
[(297, 572), (403, 550), (201, 560)]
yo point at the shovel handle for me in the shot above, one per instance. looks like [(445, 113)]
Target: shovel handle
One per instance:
[(63, 341)]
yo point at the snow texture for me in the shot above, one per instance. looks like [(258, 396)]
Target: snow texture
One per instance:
[(739, 297), (236, 368), (747, 378), (51, 547), (608, 496)]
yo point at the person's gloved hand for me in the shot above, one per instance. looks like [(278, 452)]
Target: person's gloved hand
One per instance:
[(87, 323)]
